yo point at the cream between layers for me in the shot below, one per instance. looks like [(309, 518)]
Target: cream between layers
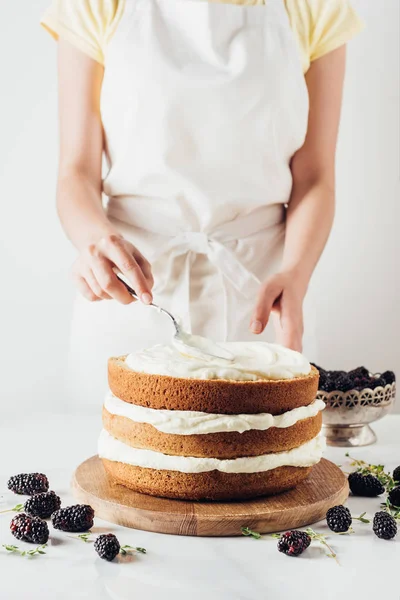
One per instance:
[(251, 361), (304, 456), (181, 422)]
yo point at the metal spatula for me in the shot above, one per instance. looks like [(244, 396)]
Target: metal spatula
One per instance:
[(181, 337)]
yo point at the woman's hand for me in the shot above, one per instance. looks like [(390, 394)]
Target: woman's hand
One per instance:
[(282, 295), (94, 276)]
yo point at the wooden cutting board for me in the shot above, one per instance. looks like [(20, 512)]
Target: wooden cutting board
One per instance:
[(308, 503)]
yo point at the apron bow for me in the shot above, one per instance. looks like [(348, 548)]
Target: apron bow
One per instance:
[(226, 262)]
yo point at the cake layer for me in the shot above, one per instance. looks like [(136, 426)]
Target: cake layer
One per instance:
[(216, 396), (213, 485), (303, 456), (218, 445), (190, 357), (181, 422)]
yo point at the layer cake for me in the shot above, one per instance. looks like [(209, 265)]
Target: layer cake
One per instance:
[(184, 426)]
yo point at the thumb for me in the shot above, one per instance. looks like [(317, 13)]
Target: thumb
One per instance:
[(289, 326), (267, 296)]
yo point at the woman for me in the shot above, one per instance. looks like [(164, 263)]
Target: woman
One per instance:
[(219, 122)]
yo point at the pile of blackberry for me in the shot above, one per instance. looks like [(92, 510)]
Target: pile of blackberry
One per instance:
[(30, 526), (357, 379)]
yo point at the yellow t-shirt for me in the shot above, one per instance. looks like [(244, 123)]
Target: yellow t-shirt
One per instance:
[(319, 26)]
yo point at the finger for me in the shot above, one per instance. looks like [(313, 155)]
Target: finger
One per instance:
[(94, 284), (290, 332), (146, 270), (127, 264), (289, 339), (108, 281), (85, 290), (268, 295)]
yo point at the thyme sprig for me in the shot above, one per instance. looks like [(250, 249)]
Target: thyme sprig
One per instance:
[(321, 539), (28, 553), (130, 549), (392, 510), (246, 531), (84, 537), (362, 518), (377, 470), (16, 508)]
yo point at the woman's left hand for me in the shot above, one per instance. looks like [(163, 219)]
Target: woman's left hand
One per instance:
[(282, 295)]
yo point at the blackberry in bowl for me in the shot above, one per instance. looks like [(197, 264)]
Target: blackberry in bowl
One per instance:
[(353, 400)]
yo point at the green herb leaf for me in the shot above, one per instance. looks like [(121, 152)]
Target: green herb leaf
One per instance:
[(29, 553), (348, 532), (84, 537), (319, 537), (362, 518), (130, 549), (16, 508), (392, 510), (250, 533)]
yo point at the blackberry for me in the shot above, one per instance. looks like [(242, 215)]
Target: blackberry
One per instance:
[(394, 497), (293, 543), (360, 383), (388, 377), (327, 385), (107, 546), (42, 505), (396, 474), (339, 519), (344, 383), (376, 382), (365, 485), (75, 518), (29, 529), (359, 373), (335, 375), (28, 483), (384, 526)]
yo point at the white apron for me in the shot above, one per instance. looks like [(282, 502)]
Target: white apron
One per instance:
[(203, 107)]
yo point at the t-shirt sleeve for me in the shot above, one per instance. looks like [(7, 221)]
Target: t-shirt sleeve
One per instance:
[(86, 24), (333, 23)]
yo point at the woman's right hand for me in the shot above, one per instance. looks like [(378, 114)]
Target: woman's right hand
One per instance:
[(94, 277)]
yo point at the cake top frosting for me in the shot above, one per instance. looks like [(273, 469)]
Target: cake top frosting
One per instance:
[(251, 361)]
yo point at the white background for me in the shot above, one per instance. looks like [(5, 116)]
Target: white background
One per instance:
[(358, 279)]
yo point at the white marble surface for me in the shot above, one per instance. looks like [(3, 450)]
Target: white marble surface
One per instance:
[(181, 567)]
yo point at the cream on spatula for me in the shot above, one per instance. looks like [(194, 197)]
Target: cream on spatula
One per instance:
[(186, 343)]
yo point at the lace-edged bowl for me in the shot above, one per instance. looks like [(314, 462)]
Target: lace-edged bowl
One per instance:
[(348, 414)]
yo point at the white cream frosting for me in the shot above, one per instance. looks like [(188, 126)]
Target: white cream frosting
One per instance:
[(181, 422), (197, 346), (251, 361), (304, 456)]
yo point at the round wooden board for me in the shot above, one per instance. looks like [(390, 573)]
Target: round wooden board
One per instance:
[(325, 487)]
